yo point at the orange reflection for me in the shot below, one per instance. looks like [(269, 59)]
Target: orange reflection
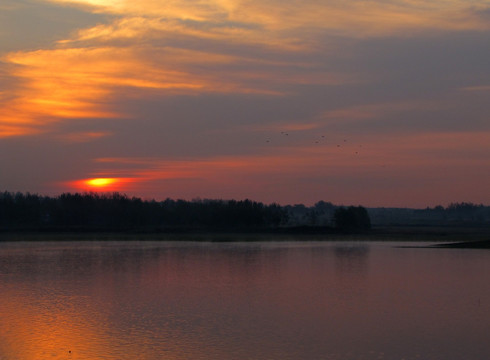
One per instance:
[(61, 330)]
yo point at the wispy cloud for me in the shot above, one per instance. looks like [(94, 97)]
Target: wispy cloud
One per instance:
[(376, 110), (136, 49), (355, 18), (477, 88), (82, 137), (72, 83)]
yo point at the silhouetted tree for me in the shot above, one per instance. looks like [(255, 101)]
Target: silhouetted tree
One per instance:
[(352, 219), (92, 211)]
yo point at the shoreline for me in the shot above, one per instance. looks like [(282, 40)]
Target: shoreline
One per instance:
[(463, 235)]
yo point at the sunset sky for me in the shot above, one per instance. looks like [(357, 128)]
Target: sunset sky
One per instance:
[(378, 103)]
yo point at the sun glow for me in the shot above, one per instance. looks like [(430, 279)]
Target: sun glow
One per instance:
[(101, 182)]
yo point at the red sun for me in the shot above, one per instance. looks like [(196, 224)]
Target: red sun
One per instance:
[(100, 184)]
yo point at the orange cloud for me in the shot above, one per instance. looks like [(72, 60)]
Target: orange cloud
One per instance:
[(73, 83), (53, 85), (12, 130), (281, 20), (85, 73), (81, 137), (131, 28)]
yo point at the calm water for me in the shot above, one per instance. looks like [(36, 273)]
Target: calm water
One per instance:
[(332, 300)]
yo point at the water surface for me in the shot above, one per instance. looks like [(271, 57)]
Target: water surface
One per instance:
[(262, 300)]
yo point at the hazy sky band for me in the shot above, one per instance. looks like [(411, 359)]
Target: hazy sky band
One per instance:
[(380, 103)]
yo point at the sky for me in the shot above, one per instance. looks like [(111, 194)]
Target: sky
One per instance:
[(377, 103)]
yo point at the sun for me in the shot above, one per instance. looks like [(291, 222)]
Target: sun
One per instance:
[(101, 182), (97, 184)]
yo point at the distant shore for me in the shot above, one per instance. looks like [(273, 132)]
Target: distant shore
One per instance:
[(482, 244)]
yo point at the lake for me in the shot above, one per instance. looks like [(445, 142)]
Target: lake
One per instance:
[(260, 300)]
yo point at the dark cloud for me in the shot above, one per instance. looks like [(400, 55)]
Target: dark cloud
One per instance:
[(35, 25)]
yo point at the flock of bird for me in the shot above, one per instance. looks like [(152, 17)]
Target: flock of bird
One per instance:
[(321, 139)]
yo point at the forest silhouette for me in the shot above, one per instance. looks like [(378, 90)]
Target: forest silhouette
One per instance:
[(118, 212)]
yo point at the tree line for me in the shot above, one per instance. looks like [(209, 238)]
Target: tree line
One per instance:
[(455, 214), (118, 212)]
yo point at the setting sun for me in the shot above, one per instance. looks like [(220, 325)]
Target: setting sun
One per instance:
[(101, 182)]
